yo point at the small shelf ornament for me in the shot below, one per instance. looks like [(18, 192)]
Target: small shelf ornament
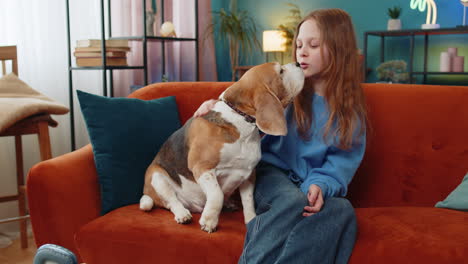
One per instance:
[(431, 17)]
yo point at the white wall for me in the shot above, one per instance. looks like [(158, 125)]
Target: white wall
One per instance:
[(38, 29)]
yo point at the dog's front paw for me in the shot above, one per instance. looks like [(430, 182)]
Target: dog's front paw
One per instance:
[(183, 216), (208, 224)]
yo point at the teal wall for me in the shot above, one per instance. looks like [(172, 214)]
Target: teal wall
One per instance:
[(367, 15)]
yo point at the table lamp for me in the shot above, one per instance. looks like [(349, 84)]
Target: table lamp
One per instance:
[(274, 41)]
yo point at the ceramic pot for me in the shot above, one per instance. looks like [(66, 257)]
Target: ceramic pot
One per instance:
[(394, 24)]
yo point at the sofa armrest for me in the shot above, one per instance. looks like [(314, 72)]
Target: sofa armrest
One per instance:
[(63, 195)]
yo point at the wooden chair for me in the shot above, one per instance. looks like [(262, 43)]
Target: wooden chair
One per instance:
[(37, 124)]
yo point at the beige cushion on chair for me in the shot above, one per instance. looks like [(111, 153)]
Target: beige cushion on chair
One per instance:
[(18, 101)]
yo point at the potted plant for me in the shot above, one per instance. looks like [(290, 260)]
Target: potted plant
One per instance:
[(394, 23), (393, 71), (238, 29), (289, 28)]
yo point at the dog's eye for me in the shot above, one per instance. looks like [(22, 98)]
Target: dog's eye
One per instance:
[(281, 71)]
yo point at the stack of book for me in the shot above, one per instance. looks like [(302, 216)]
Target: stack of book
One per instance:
[(88, 52)]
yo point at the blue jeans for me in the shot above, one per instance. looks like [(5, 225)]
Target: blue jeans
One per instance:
[(54, 254), (280, 234)]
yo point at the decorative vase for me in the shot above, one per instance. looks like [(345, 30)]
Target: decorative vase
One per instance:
[(150, 23), (394, 24), (445, 62), (458, 63), (452, 51)]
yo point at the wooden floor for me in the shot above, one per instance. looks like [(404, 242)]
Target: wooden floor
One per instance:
[(14, 254)]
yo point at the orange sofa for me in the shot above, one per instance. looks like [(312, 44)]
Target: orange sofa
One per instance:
[(417, 153)]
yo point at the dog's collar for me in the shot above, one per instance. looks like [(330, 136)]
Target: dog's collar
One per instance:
[(247, 117)]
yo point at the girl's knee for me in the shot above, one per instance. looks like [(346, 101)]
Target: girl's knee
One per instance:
[(340, 205)]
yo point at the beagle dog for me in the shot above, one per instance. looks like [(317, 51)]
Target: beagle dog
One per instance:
[(204, 162)]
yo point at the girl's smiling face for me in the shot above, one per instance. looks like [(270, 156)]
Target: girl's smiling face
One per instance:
[(308, 49)]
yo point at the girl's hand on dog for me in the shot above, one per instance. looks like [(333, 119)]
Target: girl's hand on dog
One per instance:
[(315, 198), (205, 108)]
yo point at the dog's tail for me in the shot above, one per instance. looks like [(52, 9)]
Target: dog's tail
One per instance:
[(146, 203)]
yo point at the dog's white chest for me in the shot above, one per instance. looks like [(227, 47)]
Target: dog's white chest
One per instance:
[(237, 162), (238, 159), (243, 154)]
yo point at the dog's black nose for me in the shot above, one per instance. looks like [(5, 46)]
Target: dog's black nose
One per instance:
[(297, 64)]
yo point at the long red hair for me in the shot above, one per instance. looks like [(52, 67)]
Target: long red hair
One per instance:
[(343, 92)]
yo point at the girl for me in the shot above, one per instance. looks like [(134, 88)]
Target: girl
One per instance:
[(302, 216)]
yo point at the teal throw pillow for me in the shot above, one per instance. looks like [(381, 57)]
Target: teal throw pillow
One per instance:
[(458, 199), (126, 134)]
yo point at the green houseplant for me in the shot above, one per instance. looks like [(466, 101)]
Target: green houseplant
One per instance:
[(393, 71), (394, 12), (238, 28), (394, 23), (289, 28)]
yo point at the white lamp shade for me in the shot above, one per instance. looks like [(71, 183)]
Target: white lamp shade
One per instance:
[(273, 41)]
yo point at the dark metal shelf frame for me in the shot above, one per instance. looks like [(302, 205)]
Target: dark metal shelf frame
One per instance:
[(412, 33), (150, 38), (144, 38)]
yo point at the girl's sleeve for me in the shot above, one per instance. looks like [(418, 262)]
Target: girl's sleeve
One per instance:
[(338, 169)]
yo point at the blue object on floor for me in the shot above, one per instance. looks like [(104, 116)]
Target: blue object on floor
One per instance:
[(54, 253)]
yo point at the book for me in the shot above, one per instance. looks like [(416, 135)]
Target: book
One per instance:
[(98, 49), (97, 54), (90, 62), (86, 43)]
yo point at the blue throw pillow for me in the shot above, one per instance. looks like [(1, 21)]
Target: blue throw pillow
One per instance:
[(458, 198), (126, 134)]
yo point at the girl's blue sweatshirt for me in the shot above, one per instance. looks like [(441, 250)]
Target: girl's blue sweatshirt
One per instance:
[(315, 161)]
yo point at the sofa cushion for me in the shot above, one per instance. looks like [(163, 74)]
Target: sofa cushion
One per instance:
[(123, 152), (129, 235), (189, 95), (386, 235), (416, 150), (410, 235)]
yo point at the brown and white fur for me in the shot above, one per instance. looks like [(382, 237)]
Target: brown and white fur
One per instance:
[(205, 161)]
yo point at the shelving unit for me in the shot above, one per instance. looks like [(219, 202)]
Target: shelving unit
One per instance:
[(105, 69), (412, 33)]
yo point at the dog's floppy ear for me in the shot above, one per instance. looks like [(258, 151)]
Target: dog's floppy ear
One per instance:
[(269, 114)]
